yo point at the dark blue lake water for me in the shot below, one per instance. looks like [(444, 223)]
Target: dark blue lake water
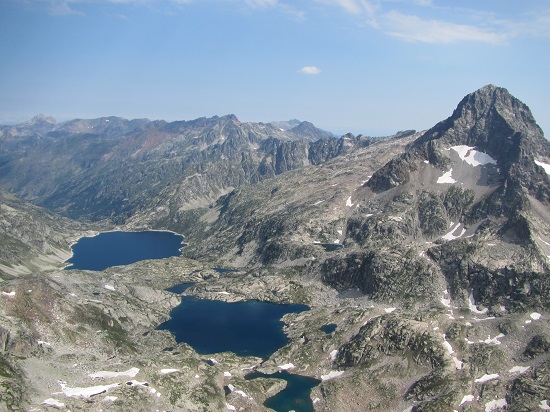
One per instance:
[(248, 328), (122, 248), (328, 329), (296, 395)]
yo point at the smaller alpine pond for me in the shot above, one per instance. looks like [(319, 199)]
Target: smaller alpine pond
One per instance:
[(294, 397), (122, 248), (249, 328), (328, 329)]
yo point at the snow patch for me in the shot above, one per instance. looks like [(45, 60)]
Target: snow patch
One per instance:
[(487, 378), (545, 166), (495, 404), (286, 366), (110, 398), (535, 316), (544, 405), (132, 372), (230, 407), (348, 202), (467, 398), (334, 354), (332, 375), (109, 287), (450, 236), (448, 347), (493, 341), (472, 305), (458, 363), (318, 203), (53, 402), (12, 293), (167, 371), (227, 374), (389, 310), (87, 392), (446, 178), (472, 156), (519, 369)]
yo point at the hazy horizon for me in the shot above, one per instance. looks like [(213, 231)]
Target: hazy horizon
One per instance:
[(362, 66)]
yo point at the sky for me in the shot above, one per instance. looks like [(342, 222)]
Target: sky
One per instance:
[(370, 67)]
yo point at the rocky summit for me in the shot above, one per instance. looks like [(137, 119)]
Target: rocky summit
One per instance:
[(427, 253)]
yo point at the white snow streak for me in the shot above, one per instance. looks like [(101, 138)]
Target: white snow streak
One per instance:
[(332, 375), (472, 156), (458, 364), (53, 402), (472, 305), (495, 404), (12, 293), (518, 369), (467, 398), (487, 378), (87, 392), (167, 371), (450, 236), (286, 366), (132, 372), (493, 341), (446, 178), (545, 166)]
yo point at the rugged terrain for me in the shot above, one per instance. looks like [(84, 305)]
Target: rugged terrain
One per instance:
[(429, 251)]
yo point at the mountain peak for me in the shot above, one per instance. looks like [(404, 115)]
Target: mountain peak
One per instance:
[(485, 118), (41, 118)]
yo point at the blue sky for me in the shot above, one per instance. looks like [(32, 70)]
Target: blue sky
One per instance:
[(364, 66)]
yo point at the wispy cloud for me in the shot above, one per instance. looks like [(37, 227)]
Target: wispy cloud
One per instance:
[(261, 3), (62, 7), (284, 8), (310, 70), (414, 28), (357, 7), (68, 7)]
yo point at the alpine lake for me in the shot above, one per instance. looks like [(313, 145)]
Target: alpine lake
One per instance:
[(250, 328)]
